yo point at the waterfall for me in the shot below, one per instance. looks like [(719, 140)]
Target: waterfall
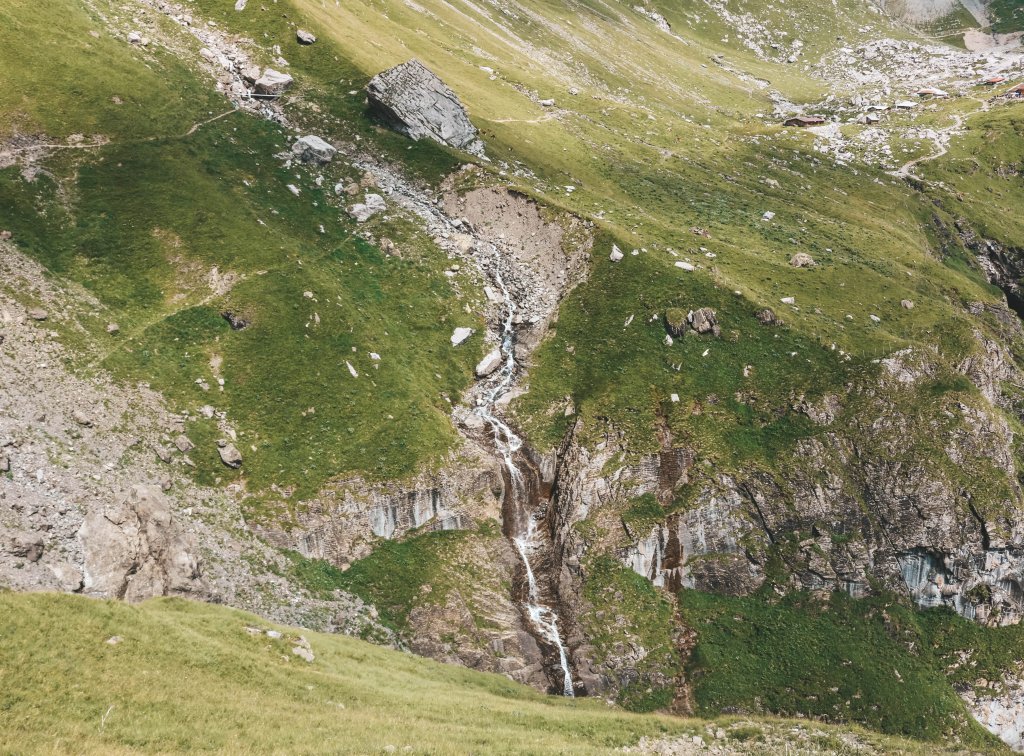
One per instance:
[(543, 618)]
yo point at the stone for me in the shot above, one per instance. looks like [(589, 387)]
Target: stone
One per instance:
[(184, 444), (703, 320), (25, 546), (5, 235), (274, 634), (134, 549), (250, 74), (906, 304), (303, 653), (685, 266), (37, 314), (113, 640), (768, 215), (240, 4), (363, 211), (113, 328), (68, 577), (767, 316), (236, 321), (489, 364), (802, 260), (134, 38), (273, 83), (230, 456), (412, 100), (313, 149), (788, 300), (294, 189), (5, 464), (81, 418), (304, 37), (875, 319), (547, 103), (616, 254), (459, 335)]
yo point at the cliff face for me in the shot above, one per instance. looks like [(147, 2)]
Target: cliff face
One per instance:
[(866, 500)]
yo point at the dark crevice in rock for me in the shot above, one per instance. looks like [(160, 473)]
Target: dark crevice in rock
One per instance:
[(986, 541)]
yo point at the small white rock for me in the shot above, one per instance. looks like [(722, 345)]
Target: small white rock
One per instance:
[(459, 335)]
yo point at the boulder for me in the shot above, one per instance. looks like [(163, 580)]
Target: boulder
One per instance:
[(313, 149), (489, 364), (37, 314), (616, 254), (906, 304), (363, 211), (704, 320), (767, 316), (68, 577), (134, 549), (685, 265), (675, 321), (304, 37), (272, 83), (251, 74), (24, 546), (412, 100), (230, 455), (802, 260)]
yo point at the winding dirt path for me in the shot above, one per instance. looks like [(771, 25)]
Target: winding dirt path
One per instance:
[(941, 141)]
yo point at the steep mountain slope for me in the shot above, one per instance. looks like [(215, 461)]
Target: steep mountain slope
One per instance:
[(731, 357)]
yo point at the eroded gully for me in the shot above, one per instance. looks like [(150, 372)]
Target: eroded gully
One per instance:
[(520, 507)]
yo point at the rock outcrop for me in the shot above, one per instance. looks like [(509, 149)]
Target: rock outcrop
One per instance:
[(134, 549), (412, 100)]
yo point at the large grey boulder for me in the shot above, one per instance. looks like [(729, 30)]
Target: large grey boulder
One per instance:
[(412, 100), (313, 149), (134, 549), (272, 83)]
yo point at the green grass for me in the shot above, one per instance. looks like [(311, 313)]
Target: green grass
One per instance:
[(393, 576), (624, 610), (143, 221), (868, 661), (189, 677), (1008, 16)]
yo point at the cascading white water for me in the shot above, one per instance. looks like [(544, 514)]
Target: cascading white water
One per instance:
[(544, 619)]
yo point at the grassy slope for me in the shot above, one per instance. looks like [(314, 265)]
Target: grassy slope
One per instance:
[(188, 676), (636, 144), (872, 661), (142, 221)]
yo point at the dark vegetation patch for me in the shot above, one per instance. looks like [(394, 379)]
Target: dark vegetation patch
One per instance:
[(871, 661)]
